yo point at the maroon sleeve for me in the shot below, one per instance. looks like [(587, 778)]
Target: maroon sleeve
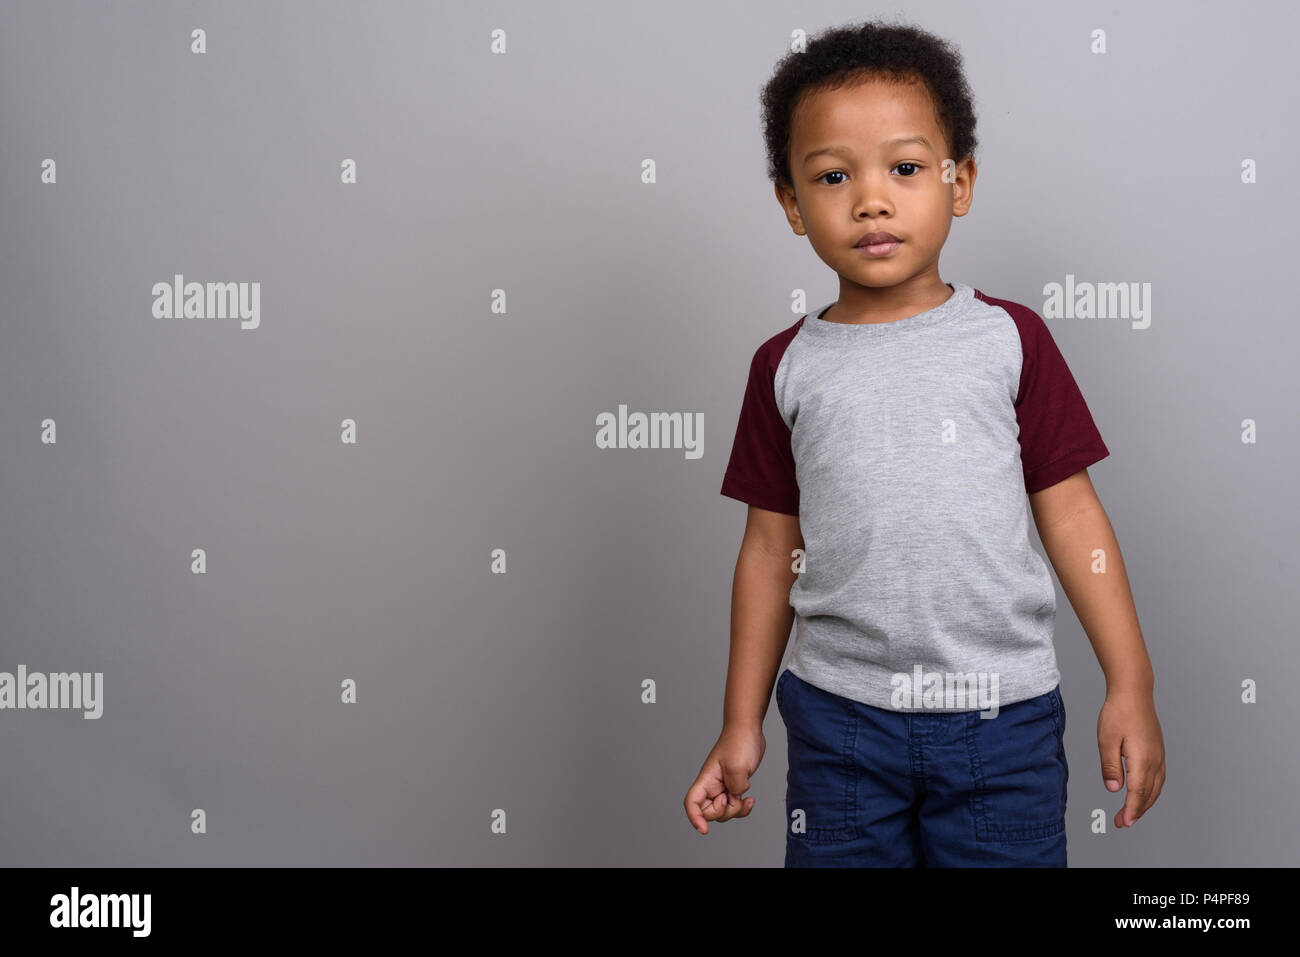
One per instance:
[(761, 469), (1057, 434)]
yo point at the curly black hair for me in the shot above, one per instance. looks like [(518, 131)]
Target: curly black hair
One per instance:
[(847, 54)]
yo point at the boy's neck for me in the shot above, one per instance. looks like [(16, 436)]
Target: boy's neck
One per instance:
[(852, 310)]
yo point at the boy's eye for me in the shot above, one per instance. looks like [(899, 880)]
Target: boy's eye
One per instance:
[(915, 167)]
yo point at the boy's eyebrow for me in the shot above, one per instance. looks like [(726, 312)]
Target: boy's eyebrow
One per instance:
[(896, 141)]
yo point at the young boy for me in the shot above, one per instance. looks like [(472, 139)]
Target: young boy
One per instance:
[(887, 446)]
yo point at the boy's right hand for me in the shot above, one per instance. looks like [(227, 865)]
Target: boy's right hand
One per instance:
[(717, 793)]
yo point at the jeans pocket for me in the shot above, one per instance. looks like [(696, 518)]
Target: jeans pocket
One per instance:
[(821, 786), (1018, 771)]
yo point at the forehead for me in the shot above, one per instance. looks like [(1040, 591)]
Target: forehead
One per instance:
[(863, 112)]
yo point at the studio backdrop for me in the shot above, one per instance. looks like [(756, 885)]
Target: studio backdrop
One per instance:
[(328, 523)]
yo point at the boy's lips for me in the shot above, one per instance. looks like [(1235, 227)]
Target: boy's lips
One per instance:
[(877, 239), (874, 247)]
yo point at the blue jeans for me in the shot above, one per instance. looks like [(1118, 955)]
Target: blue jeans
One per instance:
[(883, 788)]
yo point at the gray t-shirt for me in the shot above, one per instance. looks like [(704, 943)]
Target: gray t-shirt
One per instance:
[(907, 450)]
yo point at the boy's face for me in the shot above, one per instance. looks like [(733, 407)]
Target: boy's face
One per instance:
[(873, 183)]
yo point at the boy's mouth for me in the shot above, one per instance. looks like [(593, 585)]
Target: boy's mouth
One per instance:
[(878, 239), (878, 244)]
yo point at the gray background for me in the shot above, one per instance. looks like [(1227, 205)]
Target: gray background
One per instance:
[(476, 431)]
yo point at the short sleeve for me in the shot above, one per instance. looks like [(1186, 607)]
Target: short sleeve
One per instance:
[(761, 469), (1057, 434)]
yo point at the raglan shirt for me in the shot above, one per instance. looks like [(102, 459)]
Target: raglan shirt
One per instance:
[(908, 450)]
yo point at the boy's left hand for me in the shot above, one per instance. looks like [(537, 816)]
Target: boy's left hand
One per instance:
[(1128, 726)]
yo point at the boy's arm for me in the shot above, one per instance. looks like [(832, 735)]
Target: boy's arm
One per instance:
[(761, 615), (1081, 544), (1073, 525)]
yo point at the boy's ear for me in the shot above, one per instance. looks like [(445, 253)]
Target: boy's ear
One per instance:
[(785, 195), (963, 190)]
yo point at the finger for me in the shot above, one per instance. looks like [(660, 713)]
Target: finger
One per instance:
[(702, 808), (715, 806), (1112, 769), (1157, 782), (706, 812), (1160, 784), (695, 799), (1139, 786), (1148, 771), (696, 817), (739, 807), (733, 807)]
